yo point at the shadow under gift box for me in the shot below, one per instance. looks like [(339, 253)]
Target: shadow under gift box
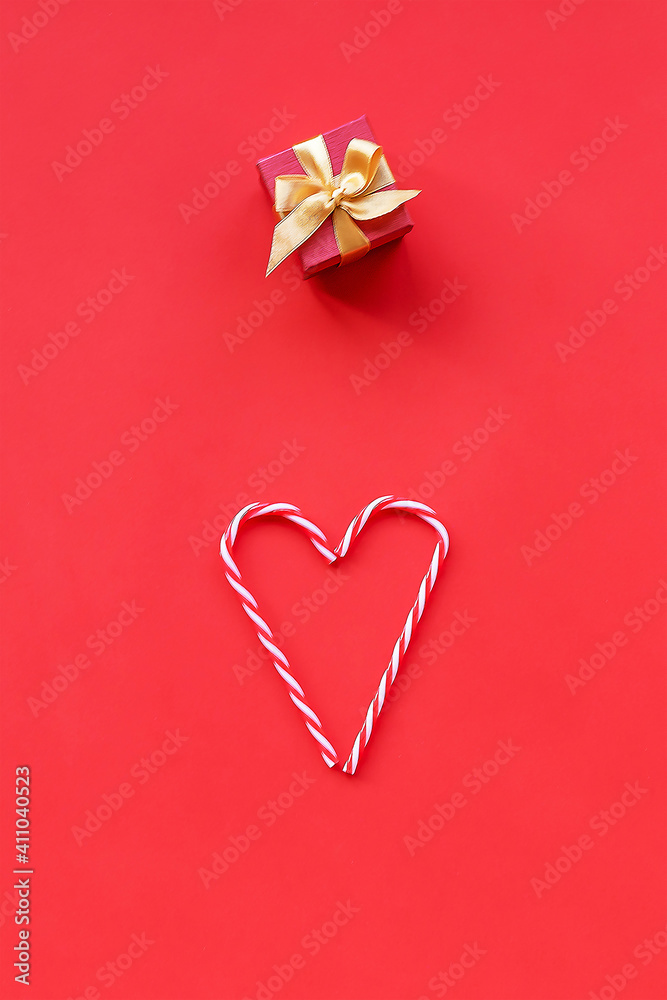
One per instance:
[(321, 250)]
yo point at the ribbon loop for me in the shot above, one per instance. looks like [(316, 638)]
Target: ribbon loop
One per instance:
[(292, 189), (313, 156), (360, 165), (305, 201)]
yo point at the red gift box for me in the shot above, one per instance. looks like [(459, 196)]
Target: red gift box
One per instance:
[(321, 250)]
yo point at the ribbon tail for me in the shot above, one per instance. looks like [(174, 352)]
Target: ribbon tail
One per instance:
[(352, 243), (372, 206), (297, 227)]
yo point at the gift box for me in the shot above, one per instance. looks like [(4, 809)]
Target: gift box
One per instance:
[(322, 249)]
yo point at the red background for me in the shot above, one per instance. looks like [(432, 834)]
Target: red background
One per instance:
[(166, 335)]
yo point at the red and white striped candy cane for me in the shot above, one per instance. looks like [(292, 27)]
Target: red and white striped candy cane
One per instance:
[(264, 633), (417, 610), (317, 537)]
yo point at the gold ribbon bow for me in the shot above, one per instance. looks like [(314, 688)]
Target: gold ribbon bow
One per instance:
[(304, 201)]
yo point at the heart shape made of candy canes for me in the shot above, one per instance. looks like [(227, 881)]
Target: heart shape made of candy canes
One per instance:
[(319, 540)]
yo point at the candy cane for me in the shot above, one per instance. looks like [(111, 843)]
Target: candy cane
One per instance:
[(264, 633), (317, 537), (417, 610)]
